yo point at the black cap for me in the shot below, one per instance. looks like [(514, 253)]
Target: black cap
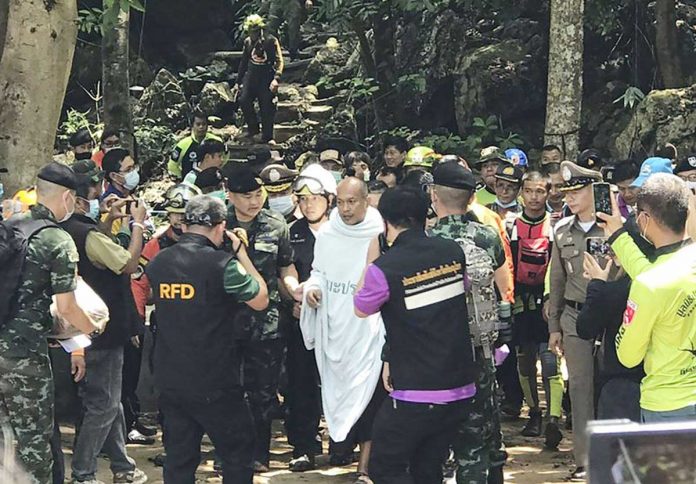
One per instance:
[(590, 159), (260, 156), (509, 173), (210, 177), (59, 174), (242, 179), (80, 137), (453, 175), (688, 163)]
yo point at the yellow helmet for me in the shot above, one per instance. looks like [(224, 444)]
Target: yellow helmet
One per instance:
[(254, 21), (421, 156), (26, 197)]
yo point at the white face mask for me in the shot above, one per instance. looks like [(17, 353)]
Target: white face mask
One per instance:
[(505, 205), (68, 212), (93, 209), (366, 176), (283, 205), (131, 180)]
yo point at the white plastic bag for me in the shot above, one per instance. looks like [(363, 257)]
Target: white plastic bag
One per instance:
[(91, 304)]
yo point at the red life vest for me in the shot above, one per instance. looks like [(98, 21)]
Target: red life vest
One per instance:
[(533, 251)]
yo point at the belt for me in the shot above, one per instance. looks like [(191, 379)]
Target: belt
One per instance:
[(575, 305)]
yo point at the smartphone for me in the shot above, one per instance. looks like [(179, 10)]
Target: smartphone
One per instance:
[(129, 206), (602, 198), (597, 247)]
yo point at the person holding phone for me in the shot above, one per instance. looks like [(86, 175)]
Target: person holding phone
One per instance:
[(567, 297)]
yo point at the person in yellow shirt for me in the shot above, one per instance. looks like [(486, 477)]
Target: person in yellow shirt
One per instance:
[(658, 326)]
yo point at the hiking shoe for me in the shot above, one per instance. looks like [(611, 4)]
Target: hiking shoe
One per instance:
[(533, 427), (578, 475), (511, 410), (340, 460), (552, 434), (136, 476), (158, 460), (146, 430), (135, 437), (303, 463), (88, 481)]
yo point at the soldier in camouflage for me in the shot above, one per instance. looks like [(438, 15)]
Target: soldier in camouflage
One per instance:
[(262, 343), (478, 448), (26, 381)]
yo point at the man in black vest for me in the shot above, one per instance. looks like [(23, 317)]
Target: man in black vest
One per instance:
[(197, 289), (419, 286), (106, 267)]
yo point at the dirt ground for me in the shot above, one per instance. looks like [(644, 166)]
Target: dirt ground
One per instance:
[(529, 463)]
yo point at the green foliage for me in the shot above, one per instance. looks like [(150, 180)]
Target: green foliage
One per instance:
[(154, 141), (359, 89), (412, 84), (212, 72), (113, 7), (77, 120), (89, 20), (631, 97)]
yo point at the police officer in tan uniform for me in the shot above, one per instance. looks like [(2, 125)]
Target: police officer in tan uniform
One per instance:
[(567, 295)]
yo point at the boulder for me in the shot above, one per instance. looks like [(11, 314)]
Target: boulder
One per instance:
[(216, 99), (665, 116), (334, 60), (164, 102)]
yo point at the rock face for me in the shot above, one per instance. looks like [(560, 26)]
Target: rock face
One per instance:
[(334, 60), (216, 99), (164, 102), (667, 116)]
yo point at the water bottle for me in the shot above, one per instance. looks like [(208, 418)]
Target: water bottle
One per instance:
[(505, 325)]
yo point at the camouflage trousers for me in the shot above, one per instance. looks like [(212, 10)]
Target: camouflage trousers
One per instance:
[(478, 445), (262, 361), (26, 405)]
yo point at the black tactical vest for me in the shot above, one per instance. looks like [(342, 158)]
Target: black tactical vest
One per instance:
[(195, 350), (426, 314)]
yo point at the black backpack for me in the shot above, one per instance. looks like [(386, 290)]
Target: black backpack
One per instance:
[(14, 241)]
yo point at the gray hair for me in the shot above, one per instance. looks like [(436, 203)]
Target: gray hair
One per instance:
[(666, 198), (205, 210)]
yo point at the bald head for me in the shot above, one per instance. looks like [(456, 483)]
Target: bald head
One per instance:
[(352, 200)]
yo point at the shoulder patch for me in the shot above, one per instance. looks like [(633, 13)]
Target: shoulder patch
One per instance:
[(630, 312)]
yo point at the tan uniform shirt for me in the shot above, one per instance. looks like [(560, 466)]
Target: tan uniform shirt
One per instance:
[(104, 253)]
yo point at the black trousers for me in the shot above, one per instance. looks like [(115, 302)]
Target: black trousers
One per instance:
[(132, 359), (262, 362), (411, 441), (225, 417), (256, 87), (302, 396), (509, 379)]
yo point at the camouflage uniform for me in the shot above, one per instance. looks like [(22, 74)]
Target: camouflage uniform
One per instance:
[(478, 446), (262, 345), (26, 381)]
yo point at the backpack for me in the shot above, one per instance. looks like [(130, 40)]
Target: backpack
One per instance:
[(481, 297), (14, 241), (533, 251)]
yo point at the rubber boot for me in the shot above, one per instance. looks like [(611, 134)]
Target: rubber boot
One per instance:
[(496, 475), (533, 427)]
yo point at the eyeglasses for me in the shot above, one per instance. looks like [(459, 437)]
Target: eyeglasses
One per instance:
[(691, 178), (111, 143)]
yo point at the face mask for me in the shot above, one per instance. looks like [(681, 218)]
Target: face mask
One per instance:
[(83, 156), (219, 194), (691, 186), (68, 212), (505, 205), (282, 205), (338, 176), (93, 209), (131, 180), (177, 231), (643, 232), (366, 176)]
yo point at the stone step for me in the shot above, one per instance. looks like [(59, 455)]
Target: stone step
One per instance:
[(289, 112), (283, 132), (318, 113)]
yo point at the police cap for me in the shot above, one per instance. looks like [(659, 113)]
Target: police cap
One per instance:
[(454, 175), (590, 159), (576, 177), (59, 174), (688, 163), (241, 179), (209, 178), (509, 173), (277, 178)]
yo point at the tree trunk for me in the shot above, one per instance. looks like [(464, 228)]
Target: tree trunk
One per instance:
[(667, 44), (36, 55), (564, 92), (115, 77)]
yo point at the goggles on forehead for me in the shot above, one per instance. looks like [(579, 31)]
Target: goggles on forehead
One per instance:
[(308, 185)]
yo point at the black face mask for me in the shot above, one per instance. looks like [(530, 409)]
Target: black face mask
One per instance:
[(177, 231), (83, 156)]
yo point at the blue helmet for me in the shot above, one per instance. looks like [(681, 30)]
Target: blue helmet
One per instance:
[(518, 157)]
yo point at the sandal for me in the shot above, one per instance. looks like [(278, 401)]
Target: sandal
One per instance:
[(362, 478)]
